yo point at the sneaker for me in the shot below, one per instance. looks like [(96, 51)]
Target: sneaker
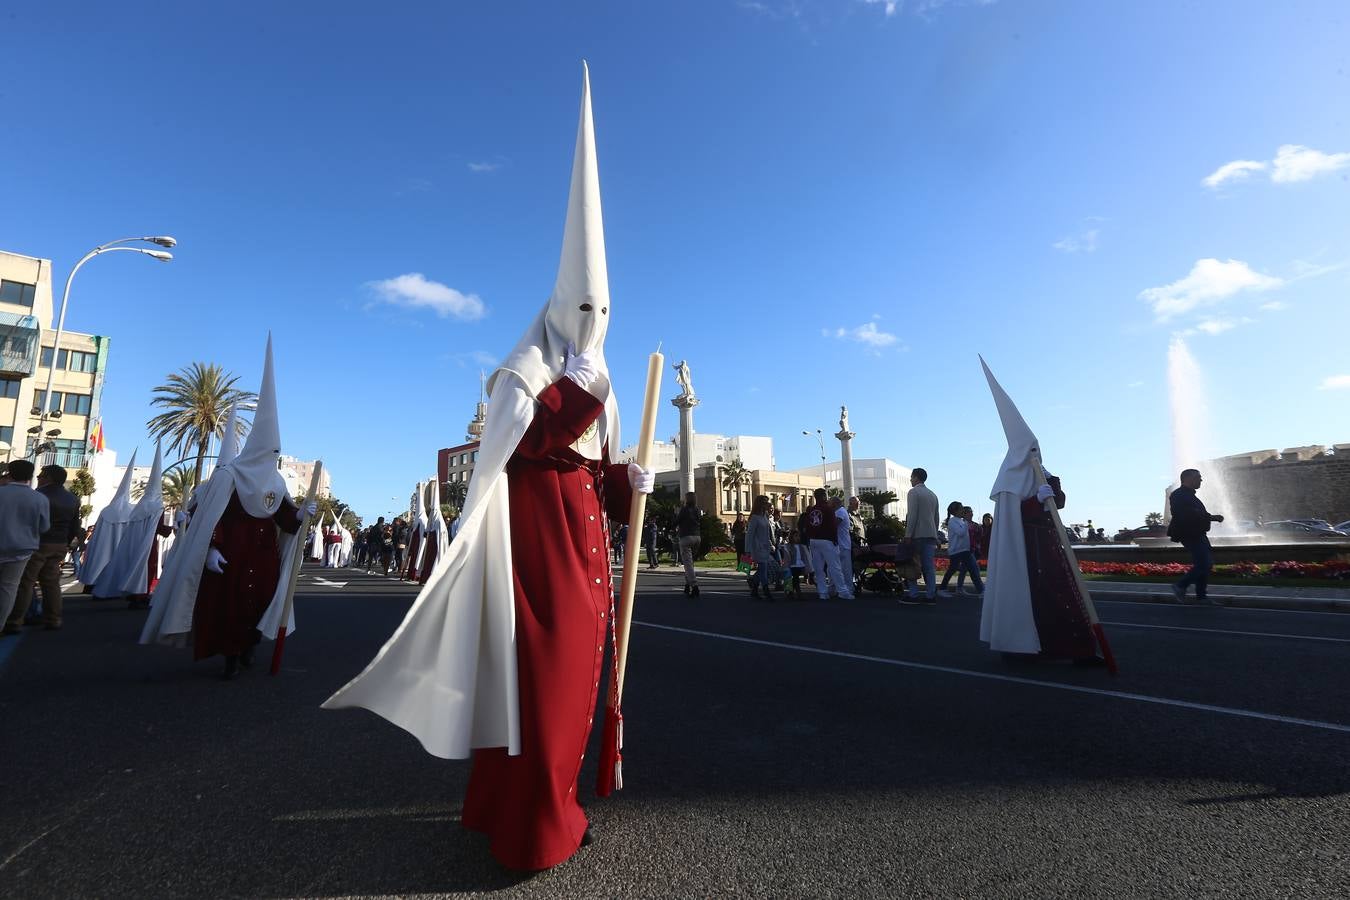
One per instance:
[(909, 600), (1179, 593), (693, 591)]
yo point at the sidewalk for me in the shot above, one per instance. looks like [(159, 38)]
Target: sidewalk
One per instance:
[(1238, 595)]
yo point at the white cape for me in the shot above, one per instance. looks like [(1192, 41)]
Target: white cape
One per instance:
[(175, 598)]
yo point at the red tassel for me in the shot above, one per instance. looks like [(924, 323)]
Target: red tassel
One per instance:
[(609, 778), (276, 651), (1106, 649)]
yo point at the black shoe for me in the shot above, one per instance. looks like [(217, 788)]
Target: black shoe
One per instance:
[(754, 594), (588, 838), (907, 600), (693, 591), (686, 590), (246, 658), (231, 668)]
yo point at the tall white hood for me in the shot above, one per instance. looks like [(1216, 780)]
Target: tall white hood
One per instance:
[(151, 504), (257, 481)]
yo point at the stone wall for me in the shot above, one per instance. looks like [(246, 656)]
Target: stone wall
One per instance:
[(1299, 483)]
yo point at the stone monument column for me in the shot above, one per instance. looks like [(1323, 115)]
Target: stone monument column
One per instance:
[(846, 452), (685, 403)]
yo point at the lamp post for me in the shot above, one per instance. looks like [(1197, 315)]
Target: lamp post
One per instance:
[(45, 411), (820, 439)]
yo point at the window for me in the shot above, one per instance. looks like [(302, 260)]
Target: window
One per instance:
[(67, 453), (81, 361), (474, 457), (17, 292), (46, 358), (56, 400), (7, 434), (463, 458), (79, 404), (9, 388)]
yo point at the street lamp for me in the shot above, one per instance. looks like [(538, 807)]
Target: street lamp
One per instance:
[(820, 439), (162, 255)]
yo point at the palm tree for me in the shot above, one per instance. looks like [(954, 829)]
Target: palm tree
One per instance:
[(178, 484), (878, 500), (454, 494), (735, 474), (197, 399)]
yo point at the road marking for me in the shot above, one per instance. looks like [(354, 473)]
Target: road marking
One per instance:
[(1013, 679), (68, 585), (324, 582), (1266, 634)]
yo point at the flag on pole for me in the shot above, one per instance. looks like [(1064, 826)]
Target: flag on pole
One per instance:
[(96, 437)]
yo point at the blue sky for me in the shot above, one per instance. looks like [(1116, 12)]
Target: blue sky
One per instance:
[(815, 202)]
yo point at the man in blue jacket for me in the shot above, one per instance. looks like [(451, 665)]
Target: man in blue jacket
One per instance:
[(1190, 528)]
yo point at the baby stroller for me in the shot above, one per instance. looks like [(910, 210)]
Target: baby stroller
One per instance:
[(877, 568)]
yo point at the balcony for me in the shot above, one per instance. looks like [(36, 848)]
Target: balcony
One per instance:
[(18, 345)]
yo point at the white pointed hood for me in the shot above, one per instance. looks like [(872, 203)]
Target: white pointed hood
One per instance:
[(229, 438), (1018, 473), (582, 281), (257, 481), (151, 504), (119, 508)]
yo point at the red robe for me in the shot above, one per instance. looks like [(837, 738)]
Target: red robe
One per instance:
[(225, 616), (413, 572), (152, 563), (429, 552), (527, 804), (1061, 622)]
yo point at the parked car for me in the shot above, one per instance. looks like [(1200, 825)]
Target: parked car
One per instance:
[(1343, 526), (1125, 535), (1300, 531), (1316, 523)]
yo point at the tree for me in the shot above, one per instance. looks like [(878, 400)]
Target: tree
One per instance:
[(735, 474), (196, 399), (877, 501), (454, 493), (82, 485), (176, 485), (1153, 518)]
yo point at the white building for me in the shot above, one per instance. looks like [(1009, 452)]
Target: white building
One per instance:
[(753, 451), (879, 474), (297, 473)]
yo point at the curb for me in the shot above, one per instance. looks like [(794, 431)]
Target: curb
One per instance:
[(1159, 593)]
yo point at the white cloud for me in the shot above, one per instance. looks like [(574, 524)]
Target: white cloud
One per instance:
[(867, 334), (1135, 384), (891, 6), (416, 292), (1273, 306), (1237, 170), (1215, 326), (1080, 243), (484, 167), (1210, 282), (1336, 383), (1297, 163)]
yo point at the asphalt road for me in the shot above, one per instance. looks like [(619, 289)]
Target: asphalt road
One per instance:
[(777, 750)]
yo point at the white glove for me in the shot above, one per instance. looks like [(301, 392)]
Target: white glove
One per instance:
[(214, 561), (581, 368), (642, 480), (311, 508), (1045, 492)]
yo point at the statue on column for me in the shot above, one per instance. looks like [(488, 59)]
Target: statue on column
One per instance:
[(683, 379), (843, 418)]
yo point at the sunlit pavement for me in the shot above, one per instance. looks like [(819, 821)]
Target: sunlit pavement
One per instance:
[(794, 748)]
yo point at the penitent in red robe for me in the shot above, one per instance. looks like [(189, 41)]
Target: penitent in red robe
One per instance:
[(225, 616), (1061, 622), (528, 804), (413, 572)]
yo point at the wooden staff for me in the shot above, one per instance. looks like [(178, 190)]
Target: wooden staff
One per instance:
[(610, 776), (1089, 608), (297, 559)]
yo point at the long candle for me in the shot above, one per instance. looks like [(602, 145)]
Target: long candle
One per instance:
[(650, 404)]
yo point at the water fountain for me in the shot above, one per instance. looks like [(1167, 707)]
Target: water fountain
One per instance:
[(1191, 430)]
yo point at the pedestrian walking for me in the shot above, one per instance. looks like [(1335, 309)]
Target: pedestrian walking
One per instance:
[(25, 516), (759, 546), (1190, 528), (689, 527), (44, 566), (820, 528), (960, 559), (921, 527), (649, 542)]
